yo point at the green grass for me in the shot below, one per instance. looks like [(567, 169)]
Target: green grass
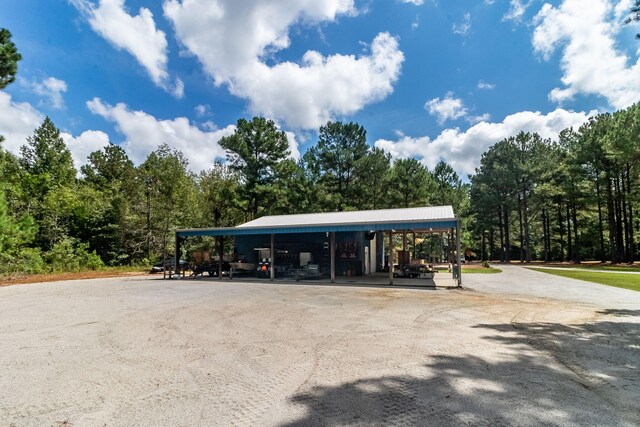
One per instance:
[(483, 270), (626, 281), (607, 267)]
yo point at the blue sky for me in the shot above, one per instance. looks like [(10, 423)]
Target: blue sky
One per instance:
[(427, 79)]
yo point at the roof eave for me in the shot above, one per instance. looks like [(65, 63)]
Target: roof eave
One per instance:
[(440, 224)]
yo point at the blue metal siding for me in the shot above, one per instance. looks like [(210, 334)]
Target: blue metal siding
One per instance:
[(318, 229)]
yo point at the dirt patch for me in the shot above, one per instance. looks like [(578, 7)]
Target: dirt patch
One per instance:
[(57, 277)]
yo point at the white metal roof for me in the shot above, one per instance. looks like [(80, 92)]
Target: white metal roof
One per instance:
[(421, 214), (432, 218)]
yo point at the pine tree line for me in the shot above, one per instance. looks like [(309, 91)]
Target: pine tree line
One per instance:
[(568, 199)]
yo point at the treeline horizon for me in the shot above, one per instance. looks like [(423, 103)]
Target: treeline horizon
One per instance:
[(569, 199), (572, 198), (115, 213)]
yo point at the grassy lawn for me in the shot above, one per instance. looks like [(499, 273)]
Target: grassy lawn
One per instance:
[(627, 281), (490, 270), (599, 266)]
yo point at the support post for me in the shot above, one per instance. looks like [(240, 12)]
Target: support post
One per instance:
[(384, 260), (220, 256), (458, 254), (390, 261), (273, 257), (177, 257), (332, 246), (414, 245)]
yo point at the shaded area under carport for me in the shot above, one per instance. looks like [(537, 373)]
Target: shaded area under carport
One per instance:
[(378, 280)]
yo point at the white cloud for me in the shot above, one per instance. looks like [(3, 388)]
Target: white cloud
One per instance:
[(84, 144), (307, 96), (486, 86), (233, 41), (18, 121), (463, 149), (517, 9), (178, 88), (622, 10), (209, 125), (416, 2), (477, 119), (416, 23), (294, 151), (449, 108), (137, 35), (202, 110), (464, 27), (590, 62), (52, 89), (229, 36), (144, 133)]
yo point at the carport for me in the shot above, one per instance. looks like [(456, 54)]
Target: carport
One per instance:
[(431, 219)]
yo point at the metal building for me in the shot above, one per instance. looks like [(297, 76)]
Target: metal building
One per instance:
[(353, 227)]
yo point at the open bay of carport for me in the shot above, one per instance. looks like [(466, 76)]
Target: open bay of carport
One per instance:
[(147, 351)]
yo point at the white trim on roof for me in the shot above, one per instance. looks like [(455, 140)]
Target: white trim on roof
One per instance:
[(421, 214)]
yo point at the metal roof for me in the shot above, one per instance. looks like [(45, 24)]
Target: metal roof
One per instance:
[(351, 217), (430, 218)]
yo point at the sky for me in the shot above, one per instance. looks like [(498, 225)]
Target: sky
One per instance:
[(429, 79)]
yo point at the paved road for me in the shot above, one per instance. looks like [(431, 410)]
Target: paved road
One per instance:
[(518, 280)]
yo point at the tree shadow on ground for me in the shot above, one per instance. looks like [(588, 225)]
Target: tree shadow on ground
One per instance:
[(546, 374), (620, 312)]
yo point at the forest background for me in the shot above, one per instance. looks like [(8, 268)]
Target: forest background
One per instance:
[(569, 199)]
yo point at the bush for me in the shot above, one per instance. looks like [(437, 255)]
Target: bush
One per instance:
[(62, 257), (93, 261), (22, 261), (68, 255), (486, 264)]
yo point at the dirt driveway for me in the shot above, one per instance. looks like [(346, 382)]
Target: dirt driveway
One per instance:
[(140, 351)]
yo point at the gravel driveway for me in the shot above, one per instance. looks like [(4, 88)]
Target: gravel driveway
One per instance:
[(142, 351), (517, 280)]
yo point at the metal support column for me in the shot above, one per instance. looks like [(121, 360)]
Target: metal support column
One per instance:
[(273, 257), (384, 260), (414, 245), (177, 257), (390, 257), (332, 246), (458, 254), (220, 256)]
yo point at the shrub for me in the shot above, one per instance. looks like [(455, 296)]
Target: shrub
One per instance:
[(62, 256), (93, 261), (69, 255), (21, 261)]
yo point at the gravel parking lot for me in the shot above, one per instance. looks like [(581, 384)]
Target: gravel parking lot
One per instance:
[(147, 351)]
